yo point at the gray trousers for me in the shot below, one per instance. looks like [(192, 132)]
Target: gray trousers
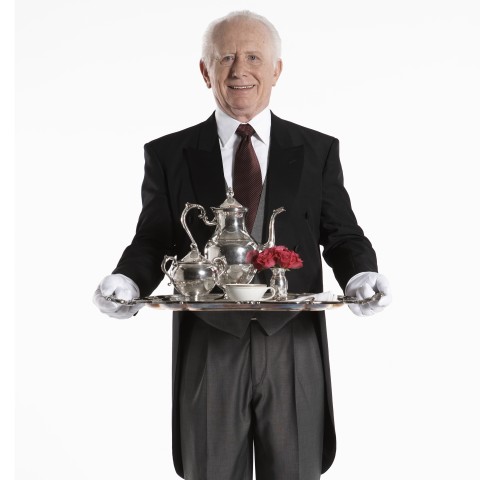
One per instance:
[(258, 391)]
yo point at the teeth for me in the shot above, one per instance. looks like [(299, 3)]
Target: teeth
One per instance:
[(242, 87)]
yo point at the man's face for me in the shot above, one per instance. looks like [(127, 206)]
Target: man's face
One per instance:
[(242, 70)]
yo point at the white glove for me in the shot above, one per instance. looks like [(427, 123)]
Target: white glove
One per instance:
[(364, 285), (122, 287)]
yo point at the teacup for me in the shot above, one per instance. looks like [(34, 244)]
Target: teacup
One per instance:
[(248, 292)]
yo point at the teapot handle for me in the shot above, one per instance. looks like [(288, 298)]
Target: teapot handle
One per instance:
[(183, 220), (220, 264), (167, 259)]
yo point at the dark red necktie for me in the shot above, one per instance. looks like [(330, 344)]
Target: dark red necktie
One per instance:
[(247, 176)]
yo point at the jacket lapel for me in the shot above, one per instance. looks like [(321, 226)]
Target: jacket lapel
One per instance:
[(206, 167), (285, 166)]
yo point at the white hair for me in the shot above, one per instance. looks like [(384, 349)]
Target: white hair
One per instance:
[(208, 44)]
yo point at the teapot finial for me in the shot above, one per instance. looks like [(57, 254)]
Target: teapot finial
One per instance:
[(230, 201)]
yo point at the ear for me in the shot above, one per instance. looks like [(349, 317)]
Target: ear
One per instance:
[(205, 75), (277, 71)]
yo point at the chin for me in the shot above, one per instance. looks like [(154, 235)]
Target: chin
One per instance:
[(242, 107)]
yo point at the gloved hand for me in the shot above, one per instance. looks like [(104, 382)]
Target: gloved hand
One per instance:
[(364, 285), (122, 287)]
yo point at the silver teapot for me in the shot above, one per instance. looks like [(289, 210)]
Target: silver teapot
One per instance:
[(194, 275), (231, 239)]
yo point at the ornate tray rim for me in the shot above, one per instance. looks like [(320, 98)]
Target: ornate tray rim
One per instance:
[(216, 302)]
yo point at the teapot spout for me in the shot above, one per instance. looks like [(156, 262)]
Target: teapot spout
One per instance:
[(271, 229)]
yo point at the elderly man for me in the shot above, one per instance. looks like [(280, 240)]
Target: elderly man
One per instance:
[(241, 382)]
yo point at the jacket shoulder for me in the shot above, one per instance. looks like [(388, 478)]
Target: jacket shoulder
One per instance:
[(174, 137), (301, 133), (187, 137)]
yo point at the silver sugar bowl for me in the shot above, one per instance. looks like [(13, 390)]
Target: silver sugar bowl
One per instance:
[(194, 275)]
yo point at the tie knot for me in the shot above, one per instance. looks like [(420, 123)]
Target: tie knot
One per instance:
[(245, 130)]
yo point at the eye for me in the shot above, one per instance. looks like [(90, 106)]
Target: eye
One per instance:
[(253, 59), (227, 60)]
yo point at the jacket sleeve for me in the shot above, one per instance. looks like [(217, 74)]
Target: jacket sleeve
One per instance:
[(154, 237), (346, 249)]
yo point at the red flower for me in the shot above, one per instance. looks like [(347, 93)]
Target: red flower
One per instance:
[(252, 256), (278, 256), (289, 259)]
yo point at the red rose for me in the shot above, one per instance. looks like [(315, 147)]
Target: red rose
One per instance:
[(265, 259), (252, 256), (288, 259), (278, 256)]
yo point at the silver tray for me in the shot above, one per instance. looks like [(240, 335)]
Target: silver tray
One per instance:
[(217, 302)]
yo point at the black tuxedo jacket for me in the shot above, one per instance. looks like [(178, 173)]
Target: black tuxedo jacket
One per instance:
[(304, 176)]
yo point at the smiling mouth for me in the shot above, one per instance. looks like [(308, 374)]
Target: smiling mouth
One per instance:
[(241, 87)]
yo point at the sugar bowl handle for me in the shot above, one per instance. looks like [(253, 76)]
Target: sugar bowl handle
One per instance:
[(167, 259)]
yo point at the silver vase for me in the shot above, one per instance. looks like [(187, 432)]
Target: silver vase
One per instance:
[(279, 282)]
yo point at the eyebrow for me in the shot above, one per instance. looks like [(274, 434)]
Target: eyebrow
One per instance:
[(250, 52)]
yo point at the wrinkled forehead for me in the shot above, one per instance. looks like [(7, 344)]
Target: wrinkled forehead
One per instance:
[(241, 35)]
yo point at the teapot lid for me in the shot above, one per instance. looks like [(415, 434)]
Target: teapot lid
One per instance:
[(194, 256), (230, 202)]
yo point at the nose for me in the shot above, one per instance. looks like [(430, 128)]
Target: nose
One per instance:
[(239, 67)]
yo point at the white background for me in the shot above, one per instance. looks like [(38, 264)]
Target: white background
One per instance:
[(396, 82)]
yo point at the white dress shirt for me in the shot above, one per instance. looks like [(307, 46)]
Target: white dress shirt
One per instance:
[(229, 140)]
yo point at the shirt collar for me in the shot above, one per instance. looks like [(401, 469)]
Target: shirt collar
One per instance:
[(227, 126)]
